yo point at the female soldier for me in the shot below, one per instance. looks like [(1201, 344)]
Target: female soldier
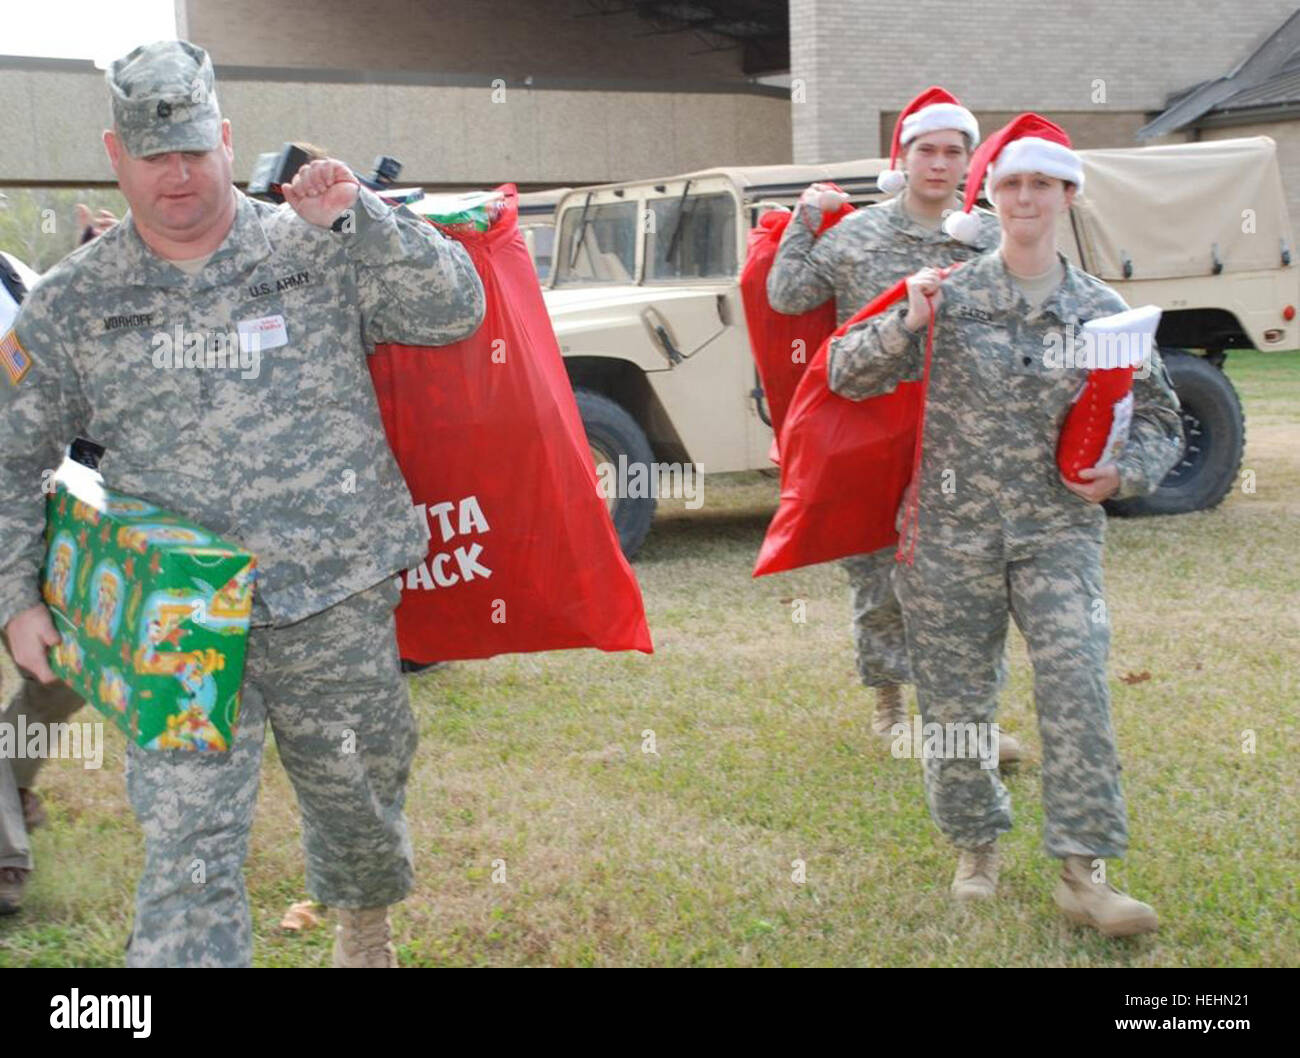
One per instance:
[(998, 531)]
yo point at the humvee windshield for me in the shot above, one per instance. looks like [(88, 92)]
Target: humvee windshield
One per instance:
[(687, 237), (692, 239), (597, 245)]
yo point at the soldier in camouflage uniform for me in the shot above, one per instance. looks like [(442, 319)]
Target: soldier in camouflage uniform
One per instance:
[(22, 699), (1000, 533), (34, 703), (864, 254), (123, 342)]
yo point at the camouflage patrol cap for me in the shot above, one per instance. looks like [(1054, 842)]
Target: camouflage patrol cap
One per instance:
[(164, 99)]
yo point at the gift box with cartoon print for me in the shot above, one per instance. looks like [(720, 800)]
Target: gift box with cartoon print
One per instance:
[(153, 612)]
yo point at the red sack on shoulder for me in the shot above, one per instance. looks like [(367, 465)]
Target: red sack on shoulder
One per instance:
[(523, 555), (782, 345), (845, 465)]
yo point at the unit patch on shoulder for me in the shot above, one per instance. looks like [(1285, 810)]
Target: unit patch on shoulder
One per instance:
[(16, 360)]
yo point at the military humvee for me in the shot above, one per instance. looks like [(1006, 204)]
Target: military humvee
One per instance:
[(642, 288)]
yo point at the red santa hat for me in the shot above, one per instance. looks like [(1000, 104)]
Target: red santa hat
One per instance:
[(932, 110), (1028, 143)]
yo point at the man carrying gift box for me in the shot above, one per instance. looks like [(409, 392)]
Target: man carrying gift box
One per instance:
[(216, 346), (999, 532), (861, 257)]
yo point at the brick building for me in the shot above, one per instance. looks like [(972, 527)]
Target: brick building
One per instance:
[(1102, 67), (580, 91)]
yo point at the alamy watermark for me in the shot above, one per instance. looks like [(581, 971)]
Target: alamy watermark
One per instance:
[(238, 350), (1085, 349), (38, 741), (94, 1011), (643, 481), (952, 741)]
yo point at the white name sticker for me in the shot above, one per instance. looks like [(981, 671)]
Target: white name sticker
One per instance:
[(266, 332)]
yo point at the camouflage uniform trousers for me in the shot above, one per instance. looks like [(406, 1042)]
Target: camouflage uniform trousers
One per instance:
[(880, 643), (956, 600), (41, 704), (332, 688)]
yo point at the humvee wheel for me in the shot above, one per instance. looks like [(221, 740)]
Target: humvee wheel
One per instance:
[(613, 433), (1215, 434)]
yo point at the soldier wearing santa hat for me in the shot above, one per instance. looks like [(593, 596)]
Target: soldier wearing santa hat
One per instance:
[(864, 254), (996, 531)]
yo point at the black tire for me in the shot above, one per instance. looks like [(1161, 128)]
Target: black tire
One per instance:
[(1215, 434), (611, 433)]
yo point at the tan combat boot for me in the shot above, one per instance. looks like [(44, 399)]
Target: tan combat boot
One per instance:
[(1009, 751), (977, 873), (12, 881), (889, 710), (361, 939), (1100, 904)]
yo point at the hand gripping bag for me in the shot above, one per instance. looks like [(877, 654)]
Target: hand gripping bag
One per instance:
[(523, 555), (845, 465), (782, 345)]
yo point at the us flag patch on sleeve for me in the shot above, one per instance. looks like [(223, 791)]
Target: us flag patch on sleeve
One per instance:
[(15, 358)]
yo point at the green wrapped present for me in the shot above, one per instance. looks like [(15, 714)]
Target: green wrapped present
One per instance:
[(153, 613), (460, 213)]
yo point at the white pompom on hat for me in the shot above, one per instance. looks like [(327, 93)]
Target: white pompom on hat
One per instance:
[(932, 110), (1028, 143)]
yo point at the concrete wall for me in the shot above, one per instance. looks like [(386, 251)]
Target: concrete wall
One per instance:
[(463, 92), (445, 134), (851, 62), (501, 38)]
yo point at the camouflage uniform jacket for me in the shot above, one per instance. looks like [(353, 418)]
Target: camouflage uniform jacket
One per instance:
[(997, 401), (291, 463), (868, 251)]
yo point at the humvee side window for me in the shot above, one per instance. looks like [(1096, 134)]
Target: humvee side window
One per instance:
[(694, 238), (597, 244), (542, 246)]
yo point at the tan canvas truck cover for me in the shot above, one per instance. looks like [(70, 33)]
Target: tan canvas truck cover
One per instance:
[(1167, 210), (1170, 209), (532, 202), (794, 177)]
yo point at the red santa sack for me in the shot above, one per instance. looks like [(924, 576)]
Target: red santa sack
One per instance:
[(845, 464), (782, 345), (523, 555)]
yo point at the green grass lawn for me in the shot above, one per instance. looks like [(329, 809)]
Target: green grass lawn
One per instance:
[(618, 857)]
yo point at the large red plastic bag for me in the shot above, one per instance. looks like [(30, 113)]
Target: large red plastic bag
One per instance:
[(523, 555), (782, 345), (845, 465)]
